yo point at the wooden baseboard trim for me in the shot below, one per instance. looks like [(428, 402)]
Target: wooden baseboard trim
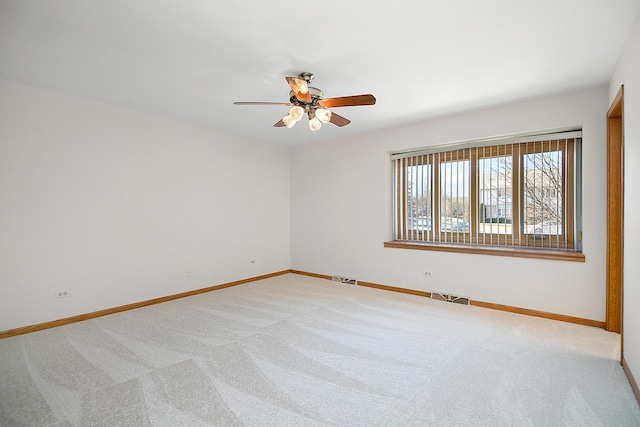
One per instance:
[(632, 381), (93, 315), (536, 313), (368, 284), (395, 289), (500, 307), (306, 273)]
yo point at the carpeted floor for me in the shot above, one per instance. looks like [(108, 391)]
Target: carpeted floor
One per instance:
[(299, 351)]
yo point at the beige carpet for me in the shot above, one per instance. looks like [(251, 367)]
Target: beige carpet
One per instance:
[(300, 351)]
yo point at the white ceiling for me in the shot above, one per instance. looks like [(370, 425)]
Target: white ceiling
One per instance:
[(192, 59)]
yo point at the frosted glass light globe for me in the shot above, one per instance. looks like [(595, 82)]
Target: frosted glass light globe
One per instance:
[(323, 115)]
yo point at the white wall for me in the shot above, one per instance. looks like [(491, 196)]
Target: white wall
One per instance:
[(115, 206), (627, 72), (341, 211)]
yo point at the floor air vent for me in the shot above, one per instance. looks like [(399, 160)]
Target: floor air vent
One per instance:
[(450, 298), (342, 279)]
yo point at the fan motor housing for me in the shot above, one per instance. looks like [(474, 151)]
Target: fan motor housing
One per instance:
[(316, 95)]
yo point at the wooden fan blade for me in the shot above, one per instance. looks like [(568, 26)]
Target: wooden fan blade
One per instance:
[(279, 124), (338, 120), (263, 103), (300, 88), (347, 101)]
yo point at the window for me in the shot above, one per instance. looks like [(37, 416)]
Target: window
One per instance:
[(521, 193)]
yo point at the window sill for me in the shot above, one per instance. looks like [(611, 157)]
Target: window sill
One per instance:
[(488, 250)]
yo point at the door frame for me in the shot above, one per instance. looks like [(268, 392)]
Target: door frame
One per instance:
[(615, 214)]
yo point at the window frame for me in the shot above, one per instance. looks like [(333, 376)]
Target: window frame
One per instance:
[(567, 245)]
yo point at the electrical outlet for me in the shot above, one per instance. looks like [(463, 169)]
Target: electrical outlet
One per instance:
[(428, 274), (62, 294)]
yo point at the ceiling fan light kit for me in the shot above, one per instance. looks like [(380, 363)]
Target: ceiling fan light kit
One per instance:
[(296, 112), (314, 124), (289, 121), (294, 115), (323, 115), (306, 99)]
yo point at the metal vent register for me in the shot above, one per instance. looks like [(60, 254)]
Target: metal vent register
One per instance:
[(347, 280), (450, 298)]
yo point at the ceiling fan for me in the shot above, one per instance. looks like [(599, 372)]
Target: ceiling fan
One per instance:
[(310, 100)]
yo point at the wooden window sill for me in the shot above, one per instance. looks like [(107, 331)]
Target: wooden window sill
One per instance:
[(489, 250)]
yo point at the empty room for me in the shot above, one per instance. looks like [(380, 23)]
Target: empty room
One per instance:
[(338, 214)]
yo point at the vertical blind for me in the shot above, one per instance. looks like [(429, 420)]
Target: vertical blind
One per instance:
[(519, 192)]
